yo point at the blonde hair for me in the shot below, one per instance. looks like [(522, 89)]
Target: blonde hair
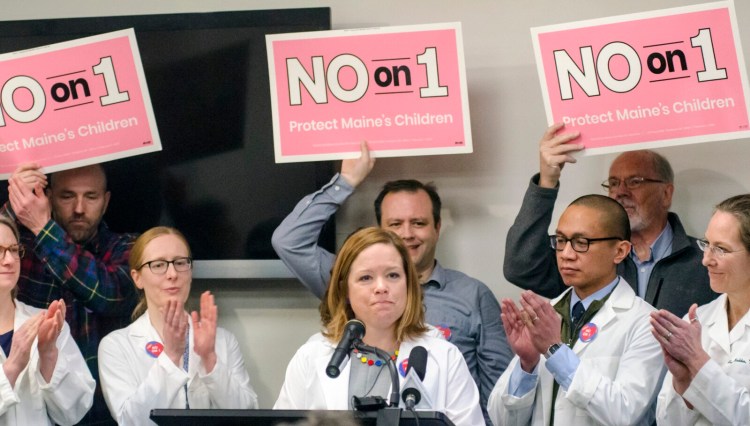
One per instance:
[(335, 309), (135, 261), (739, 207)]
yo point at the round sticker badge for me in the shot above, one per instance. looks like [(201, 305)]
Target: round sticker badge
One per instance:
[(154, 349), (445, 330), (589, 332), (403, 366)]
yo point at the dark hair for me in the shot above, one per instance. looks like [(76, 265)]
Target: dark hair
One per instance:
[(410, 185), (615, 217), (739, 207)]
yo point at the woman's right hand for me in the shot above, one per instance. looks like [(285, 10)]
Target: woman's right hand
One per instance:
[(20, 351), (175, 330)]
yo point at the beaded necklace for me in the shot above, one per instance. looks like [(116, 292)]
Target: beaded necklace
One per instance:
[(376, 362)]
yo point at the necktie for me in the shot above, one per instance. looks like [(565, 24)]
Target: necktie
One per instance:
[(577, 313)]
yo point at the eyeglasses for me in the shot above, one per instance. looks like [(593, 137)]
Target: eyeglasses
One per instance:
[(16, 251), (159, 267), (579, 244), (715, 250), (630, 183)]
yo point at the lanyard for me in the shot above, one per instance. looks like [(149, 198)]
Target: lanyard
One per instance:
[(186, 363)]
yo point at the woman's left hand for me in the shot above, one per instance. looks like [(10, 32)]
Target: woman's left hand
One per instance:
[(49, 331), (680, 339), (50, 328), (204, 331), (174, 331)]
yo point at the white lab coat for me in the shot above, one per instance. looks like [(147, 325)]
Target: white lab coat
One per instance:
[(134, 382), (720, 391), (64, 400), (616, 382), (447, 382)]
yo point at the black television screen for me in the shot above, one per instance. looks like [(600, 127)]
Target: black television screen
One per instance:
[(215, 179)]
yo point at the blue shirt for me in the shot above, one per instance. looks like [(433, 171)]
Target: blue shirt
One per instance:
[(660, 249), (5, 341)]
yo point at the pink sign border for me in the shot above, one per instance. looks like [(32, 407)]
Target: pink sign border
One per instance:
[(714, 137), (129, 33), (466, 148)]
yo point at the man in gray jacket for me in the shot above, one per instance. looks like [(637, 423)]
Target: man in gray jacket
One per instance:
[(461, 307), (664, 266)]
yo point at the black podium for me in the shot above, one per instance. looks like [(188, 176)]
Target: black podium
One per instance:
[(211, 417)]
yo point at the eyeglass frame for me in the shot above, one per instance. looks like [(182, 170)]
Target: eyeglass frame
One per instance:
[(717, 251), (553, 242), (19, 253), (639, 180), (168, 262)]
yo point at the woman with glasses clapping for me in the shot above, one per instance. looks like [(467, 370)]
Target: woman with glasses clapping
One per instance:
[(708, 352), (167, 358), (43, 377)]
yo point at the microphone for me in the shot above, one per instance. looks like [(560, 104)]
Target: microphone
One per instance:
[(417, 363), (354, 330)]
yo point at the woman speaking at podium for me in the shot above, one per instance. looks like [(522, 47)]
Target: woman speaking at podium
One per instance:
[(167, 358), (374, 281)]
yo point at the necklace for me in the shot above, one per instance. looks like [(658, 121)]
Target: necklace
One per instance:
[(376, 362)]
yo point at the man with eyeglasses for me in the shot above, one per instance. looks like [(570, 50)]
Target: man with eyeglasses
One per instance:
[(73, 256), (664, 266), (588, 356)]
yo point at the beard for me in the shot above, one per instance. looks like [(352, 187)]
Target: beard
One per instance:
[(80, 231)]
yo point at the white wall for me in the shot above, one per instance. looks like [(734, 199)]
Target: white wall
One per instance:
[(481, 191)]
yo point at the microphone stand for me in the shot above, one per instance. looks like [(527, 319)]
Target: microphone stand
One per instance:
[(395, 386), (388, 416)]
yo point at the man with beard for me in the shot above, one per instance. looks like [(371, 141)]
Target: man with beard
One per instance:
[(664, 265), (74, 256), (461, 307)]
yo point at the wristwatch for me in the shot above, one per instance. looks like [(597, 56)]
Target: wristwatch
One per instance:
[(552, 349)]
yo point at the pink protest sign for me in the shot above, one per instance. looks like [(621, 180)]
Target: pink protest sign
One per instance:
[(75, 103), (403, 89), (646, 80)]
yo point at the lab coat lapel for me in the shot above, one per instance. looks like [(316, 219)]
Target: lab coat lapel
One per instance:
[(335, 391), (622, 297), (141, 333), (717, 326), (545, 384)]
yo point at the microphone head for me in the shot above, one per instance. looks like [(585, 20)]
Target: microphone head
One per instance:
[(355, 328), (332, 371), (411, 397), (418, 361)]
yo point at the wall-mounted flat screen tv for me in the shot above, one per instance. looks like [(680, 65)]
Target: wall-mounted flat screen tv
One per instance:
[(216, 179)]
